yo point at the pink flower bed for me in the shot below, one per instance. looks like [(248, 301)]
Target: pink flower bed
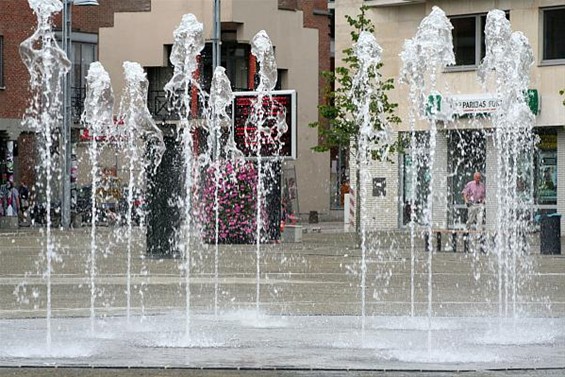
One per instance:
[(237, 203)]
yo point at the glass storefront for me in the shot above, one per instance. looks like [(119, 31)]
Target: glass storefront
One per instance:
[(545, 170), (339, 177), (415, 179), (466, 155)]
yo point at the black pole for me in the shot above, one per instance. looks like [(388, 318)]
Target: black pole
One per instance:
[(163, 216)]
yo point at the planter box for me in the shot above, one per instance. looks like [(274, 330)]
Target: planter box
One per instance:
[(292, 234), (9, 222)]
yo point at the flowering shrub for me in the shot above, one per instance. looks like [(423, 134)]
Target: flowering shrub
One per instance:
[(237, 202)]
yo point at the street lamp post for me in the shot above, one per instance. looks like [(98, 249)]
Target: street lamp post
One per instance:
[(66, 127), (217, 39)]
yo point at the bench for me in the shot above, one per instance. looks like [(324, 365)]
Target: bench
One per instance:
[(314, 229), (482, 235)]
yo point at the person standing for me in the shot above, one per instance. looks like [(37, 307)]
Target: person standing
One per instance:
[(24, 201), (13, 202), (344, 189), (3, 199), (474, 196)]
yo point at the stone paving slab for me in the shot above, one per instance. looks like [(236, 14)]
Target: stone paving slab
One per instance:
[(318, 278), (181, 372)]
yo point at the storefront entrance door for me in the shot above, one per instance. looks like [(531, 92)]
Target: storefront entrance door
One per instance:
[(466, 155)]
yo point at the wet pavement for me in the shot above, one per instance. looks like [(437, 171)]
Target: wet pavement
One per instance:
[(308, 322)]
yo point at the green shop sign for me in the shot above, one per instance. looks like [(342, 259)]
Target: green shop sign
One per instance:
[(469, 105)]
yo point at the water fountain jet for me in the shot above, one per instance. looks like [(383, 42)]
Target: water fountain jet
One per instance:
[(312, 327)]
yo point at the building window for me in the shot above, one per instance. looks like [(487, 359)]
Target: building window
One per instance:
[(157, 100), (468, 40), (82, 55), (235, 59), (339, 177), (84, 50), (1, 62), (553, 31)]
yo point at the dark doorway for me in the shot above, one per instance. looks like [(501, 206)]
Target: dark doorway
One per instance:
[(466, 155)]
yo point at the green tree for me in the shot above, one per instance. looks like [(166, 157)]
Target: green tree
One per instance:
[(338, 128)]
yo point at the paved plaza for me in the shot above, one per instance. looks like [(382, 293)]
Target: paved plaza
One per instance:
[(307, 319)]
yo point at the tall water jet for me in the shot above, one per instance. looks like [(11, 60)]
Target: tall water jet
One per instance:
[(423, 56), (98, 120), (188, 43), (365, 90), (509, 58), (47, 64), (138, 131), (263, 128), (221, 98)]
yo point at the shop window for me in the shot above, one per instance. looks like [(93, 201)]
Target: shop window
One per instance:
[(466, 155), (553, 31), (339, 177), (416, 180), (545, 168)]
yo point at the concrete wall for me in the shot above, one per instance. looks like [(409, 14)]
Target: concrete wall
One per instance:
[(384, 209), (561, 178), (491, 172), (439, 187), (141, 37)]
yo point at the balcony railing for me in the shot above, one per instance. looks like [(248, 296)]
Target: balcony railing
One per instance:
[(77, 103), (157, 103), (391, 3)]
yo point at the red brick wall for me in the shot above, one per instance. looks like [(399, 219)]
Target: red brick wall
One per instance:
[(320, 21), (89, 19), (17, 22), (26, 158)]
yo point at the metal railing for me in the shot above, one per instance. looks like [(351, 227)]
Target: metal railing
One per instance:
[(157, 103), (77, 103)]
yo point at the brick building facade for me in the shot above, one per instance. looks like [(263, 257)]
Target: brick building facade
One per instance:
[(17, 23)]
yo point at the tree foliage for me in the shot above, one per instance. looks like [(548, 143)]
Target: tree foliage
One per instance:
[(339, 110)]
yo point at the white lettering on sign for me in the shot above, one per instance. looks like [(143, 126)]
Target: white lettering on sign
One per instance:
[(473, 104), (460, 105)]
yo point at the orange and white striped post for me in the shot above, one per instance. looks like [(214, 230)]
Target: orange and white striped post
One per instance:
[(349, 212)]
